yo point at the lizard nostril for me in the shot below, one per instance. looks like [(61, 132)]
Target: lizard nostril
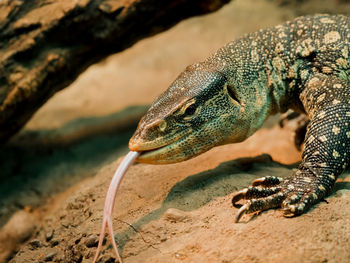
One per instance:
[(162, 125)]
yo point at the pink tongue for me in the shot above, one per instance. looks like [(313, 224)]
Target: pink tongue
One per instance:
[(109, 202)]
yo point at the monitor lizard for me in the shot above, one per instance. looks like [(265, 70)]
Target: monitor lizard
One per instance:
[(303, 65)]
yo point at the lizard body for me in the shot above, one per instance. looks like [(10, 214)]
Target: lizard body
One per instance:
[(302, 65)]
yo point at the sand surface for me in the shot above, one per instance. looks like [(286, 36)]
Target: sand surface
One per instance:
[(56, 172)]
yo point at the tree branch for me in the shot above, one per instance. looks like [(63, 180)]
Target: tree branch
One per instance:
[(46, 44)]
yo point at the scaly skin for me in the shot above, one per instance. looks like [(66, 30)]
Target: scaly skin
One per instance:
[(302, 65)]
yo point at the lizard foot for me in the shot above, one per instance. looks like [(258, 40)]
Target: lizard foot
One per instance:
[(295, 195)]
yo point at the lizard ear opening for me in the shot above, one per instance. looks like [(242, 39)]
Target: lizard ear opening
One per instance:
[(232, 94)]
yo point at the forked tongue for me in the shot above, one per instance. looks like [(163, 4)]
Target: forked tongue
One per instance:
[(109, 202)]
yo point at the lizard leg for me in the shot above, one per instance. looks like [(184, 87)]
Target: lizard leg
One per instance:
[(299, 123), (324, 158)]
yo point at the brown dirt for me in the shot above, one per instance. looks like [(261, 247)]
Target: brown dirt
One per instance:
[(182, 212)]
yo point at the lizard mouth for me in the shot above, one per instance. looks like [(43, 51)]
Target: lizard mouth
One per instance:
[(148, 155), (156, 155), (166, 152)]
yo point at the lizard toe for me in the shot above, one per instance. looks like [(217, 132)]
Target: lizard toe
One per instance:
[(292, 198), (293, 204), (253, 192), (297, 204), (290, 210), (260, 204), (267, 181)]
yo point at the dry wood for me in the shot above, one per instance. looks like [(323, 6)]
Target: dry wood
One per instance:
[(46, 44)]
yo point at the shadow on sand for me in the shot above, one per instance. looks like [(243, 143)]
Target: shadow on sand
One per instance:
[(36, 164), (197, 190)]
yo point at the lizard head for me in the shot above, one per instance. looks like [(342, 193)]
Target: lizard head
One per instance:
[(199, 110)]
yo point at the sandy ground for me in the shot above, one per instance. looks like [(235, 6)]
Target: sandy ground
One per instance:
[(56, 172)]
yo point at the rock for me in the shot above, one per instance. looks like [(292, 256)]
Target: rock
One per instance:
[(175, 215), (36, 243), (54, 243), (110, 260), (49, 235), (50, 256), (91, 241)]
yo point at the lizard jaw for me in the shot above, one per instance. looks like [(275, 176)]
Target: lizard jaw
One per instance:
[(150, 156), (147, 154), (172, 152), (162, 155), (157, 155), (159, 152)]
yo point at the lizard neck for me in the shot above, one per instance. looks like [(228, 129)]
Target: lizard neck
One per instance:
[(261, 77)]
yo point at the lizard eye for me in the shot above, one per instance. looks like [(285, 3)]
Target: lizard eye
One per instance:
[(190, 110)]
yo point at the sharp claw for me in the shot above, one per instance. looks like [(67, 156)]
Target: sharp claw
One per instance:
[(241, 212), (258, 181), (239, 196), (287, 212)]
